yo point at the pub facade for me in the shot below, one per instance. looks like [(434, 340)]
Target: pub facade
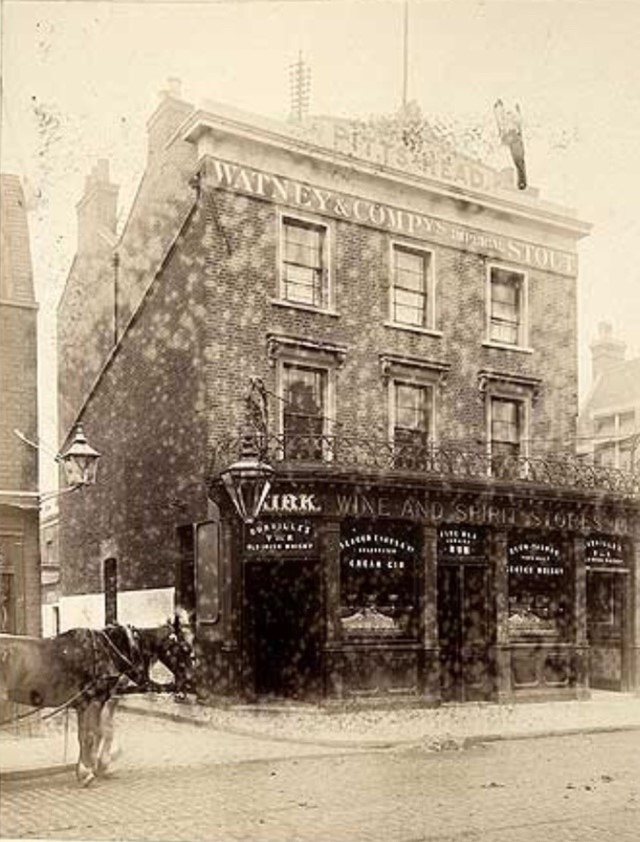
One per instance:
[(392, 328), (387, 589)]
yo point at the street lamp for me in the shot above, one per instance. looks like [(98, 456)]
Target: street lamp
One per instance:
[(248, 481), (79, 460)]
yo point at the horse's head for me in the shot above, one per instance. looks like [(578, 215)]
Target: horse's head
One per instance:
[(176, 650)]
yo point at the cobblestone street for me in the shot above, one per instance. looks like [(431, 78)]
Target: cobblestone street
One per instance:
[(178, 782)]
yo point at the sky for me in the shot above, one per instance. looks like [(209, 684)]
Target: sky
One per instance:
[(80, 79)]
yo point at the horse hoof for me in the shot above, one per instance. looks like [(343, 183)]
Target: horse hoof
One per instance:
[(85, 779)]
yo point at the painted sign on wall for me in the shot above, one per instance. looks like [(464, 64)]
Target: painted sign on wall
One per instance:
[(394, 219)]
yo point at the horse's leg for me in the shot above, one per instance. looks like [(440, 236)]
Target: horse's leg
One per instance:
[(107, 752), (83, 766), (88, 737)]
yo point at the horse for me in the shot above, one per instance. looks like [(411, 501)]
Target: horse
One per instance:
[(87, 670)]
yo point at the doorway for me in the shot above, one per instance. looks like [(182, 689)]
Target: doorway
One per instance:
[(606, 621), (283, 628), (466, 631)]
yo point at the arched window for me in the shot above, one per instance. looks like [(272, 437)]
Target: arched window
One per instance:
[(110, 574)]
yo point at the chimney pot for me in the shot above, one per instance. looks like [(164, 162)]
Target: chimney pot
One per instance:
[(97, 208), (606, 350)]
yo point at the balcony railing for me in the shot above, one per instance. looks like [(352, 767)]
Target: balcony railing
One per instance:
[(344, 453)]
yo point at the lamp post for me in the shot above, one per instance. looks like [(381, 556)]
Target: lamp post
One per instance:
[(248, 481)]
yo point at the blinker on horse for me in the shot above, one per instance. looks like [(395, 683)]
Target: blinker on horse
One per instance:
[(87, 669)]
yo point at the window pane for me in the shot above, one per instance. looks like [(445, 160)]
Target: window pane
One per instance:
[(504, 332), (605, 425), (404, 298), (413, 407), (506, 306), (605, 455), (303, 269), (409, 315), (505, 425), (627, 423), (410, 287)]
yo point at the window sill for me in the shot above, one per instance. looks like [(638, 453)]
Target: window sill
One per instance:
[(308, 308), (426, 331), (503, 346)]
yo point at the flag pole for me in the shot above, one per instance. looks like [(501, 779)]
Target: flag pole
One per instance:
[(405, 54)]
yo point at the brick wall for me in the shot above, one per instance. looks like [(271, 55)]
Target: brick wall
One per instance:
[(147, 419), (241, 284), (18, 397), (86, 313), (182, 370)]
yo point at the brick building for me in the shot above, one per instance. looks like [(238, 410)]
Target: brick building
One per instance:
[(609, 423), (19, 553), (50, 567), (408, 321)]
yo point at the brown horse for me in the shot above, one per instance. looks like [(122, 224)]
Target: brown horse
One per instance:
[(87, 669)]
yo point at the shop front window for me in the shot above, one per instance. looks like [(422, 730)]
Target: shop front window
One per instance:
[(540, 591), (378, 589)]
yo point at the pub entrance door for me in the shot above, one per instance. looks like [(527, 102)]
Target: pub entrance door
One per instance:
[(607, 597), (466, 631), (283, 627)]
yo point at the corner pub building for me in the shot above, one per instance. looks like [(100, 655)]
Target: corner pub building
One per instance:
[(397, 325)]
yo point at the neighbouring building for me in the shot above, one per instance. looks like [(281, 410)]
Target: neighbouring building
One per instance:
[(19, 553), (50, 567), (403, 320), (609, 427)]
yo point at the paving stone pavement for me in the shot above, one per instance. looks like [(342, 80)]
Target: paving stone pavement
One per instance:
[(582, 788)]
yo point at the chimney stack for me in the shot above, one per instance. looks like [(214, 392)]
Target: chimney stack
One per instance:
[(606, 352), (168, 116), (97, 210)]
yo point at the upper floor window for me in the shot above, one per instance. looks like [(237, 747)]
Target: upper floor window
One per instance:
[(614, 445), (506, 428), (304, 411), (413, 413), (304, 270), (411, 291), (507, 302)]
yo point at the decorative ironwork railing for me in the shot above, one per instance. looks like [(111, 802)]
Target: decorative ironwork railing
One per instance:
[(345, 453)]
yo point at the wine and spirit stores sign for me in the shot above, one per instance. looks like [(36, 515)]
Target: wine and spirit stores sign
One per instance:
[(309, 502), (391, 218)]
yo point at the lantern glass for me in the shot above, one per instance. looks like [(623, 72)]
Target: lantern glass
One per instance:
[(248, 482), (80, 460)]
